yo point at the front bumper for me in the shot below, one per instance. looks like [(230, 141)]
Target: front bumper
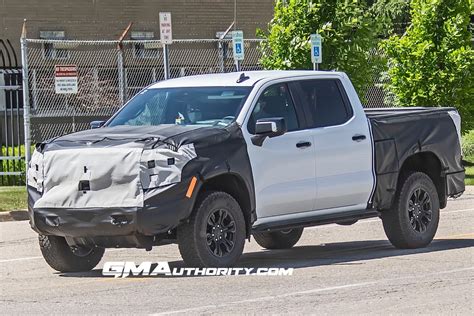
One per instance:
[(85, 222), (159, 214)]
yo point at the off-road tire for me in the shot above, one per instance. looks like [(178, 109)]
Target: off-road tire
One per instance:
[(283, 239), (396, 221), (60, 256), (193, 234)]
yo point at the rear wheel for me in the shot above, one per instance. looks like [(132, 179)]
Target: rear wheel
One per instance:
[(413, 220), (282, 239), (64, 258), (214, 236)]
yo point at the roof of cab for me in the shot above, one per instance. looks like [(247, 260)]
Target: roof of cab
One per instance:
[(230, 79)]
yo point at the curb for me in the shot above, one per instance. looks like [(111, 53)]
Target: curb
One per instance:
[(21, 215)]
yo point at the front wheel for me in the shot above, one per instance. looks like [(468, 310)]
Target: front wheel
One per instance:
[(282, 239), (214, 236), (413, 220), (64, 258)]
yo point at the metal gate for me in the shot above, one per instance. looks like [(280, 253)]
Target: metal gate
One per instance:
[(12, 156)]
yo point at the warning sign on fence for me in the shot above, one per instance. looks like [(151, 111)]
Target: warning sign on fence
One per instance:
[(65, 79)]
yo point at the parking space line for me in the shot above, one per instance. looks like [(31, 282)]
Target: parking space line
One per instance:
[(459, 236), (312, 291), (20, 259)]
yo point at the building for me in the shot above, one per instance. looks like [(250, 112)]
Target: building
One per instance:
[(107, 19)]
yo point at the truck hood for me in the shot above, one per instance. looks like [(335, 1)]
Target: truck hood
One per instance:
[(121, 135), (112, 167)]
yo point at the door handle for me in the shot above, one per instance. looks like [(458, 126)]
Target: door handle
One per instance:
[(358, 138), (303, 144)]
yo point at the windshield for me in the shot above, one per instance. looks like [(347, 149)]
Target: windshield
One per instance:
[(207, 106)]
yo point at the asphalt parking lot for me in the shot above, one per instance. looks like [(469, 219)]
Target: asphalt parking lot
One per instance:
[(338, 269)]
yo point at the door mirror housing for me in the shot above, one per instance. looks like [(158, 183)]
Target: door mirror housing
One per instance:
[(268, 127), (97, 124), (271, 127)]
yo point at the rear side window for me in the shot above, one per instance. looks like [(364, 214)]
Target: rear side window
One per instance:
[(325, 102)]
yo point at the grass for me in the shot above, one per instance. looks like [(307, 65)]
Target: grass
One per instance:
[(468, 152), (468, 145), (469, 170), (12, 198)]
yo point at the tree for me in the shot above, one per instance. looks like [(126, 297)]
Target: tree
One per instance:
[(432, 64), (347, 30), (392, 16)]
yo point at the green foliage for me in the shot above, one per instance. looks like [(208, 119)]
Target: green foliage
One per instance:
[(347, 30), (391, 15), (468, 155), (432, 64), (12, 165), (468, 144)]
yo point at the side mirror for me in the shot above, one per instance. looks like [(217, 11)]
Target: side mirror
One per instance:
[(97, 124), (269, 127)]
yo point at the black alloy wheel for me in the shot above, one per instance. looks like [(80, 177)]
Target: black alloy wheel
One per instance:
[(220, 232), (419, 210)]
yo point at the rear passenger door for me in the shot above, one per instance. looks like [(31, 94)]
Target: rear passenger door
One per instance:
[(343, 152)]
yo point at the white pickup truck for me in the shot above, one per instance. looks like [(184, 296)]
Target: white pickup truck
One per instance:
[(207, 161)]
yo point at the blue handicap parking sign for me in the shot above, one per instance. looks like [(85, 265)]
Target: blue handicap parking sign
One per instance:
[(238, 48), (238, 45), (316, 51)]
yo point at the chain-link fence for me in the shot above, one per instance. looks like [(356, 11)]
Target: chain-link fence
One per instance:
[(111, 72)]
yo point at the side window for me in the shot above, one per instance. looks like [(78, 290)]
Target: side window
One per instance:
[(275, 101), (325, 101), (151, 113)]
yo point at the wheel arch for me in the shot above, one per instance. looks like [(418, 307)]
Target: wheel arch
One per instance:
[(428, 163), (234, 185)]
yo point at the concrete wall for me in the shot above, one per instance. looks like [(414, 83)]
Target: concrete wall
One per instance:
[(106, 19)]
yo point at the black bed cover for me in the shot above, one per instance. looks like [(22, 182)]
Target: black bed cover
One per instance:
[(399, 133)]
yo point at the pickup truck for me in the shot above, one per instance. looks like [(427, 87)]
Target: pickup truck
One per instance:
[(208, 161)]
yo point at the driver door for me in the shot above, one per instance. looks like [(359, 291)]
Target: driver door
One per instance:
[(284, 166)]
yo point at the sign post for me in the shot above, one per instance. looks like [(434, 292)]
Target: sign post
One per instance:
[(166, 38), (316, 51), (238, 47)]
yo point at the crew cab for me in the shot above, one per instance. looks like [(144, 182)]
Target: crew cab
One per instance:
[(208, 161)]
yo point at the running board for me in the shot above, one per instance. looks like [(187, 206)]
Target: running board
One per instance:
[(316, 220)]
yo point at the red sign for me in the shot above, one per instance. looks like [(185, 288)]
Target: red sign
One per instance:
[(65, 71), (65, 79)]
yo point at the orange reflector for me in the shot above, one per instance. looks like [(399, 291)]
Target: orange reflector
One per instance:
[(191, 187)]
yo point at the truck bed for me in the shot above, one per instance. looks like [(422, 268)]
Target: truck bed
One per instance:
[(399, 133)]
